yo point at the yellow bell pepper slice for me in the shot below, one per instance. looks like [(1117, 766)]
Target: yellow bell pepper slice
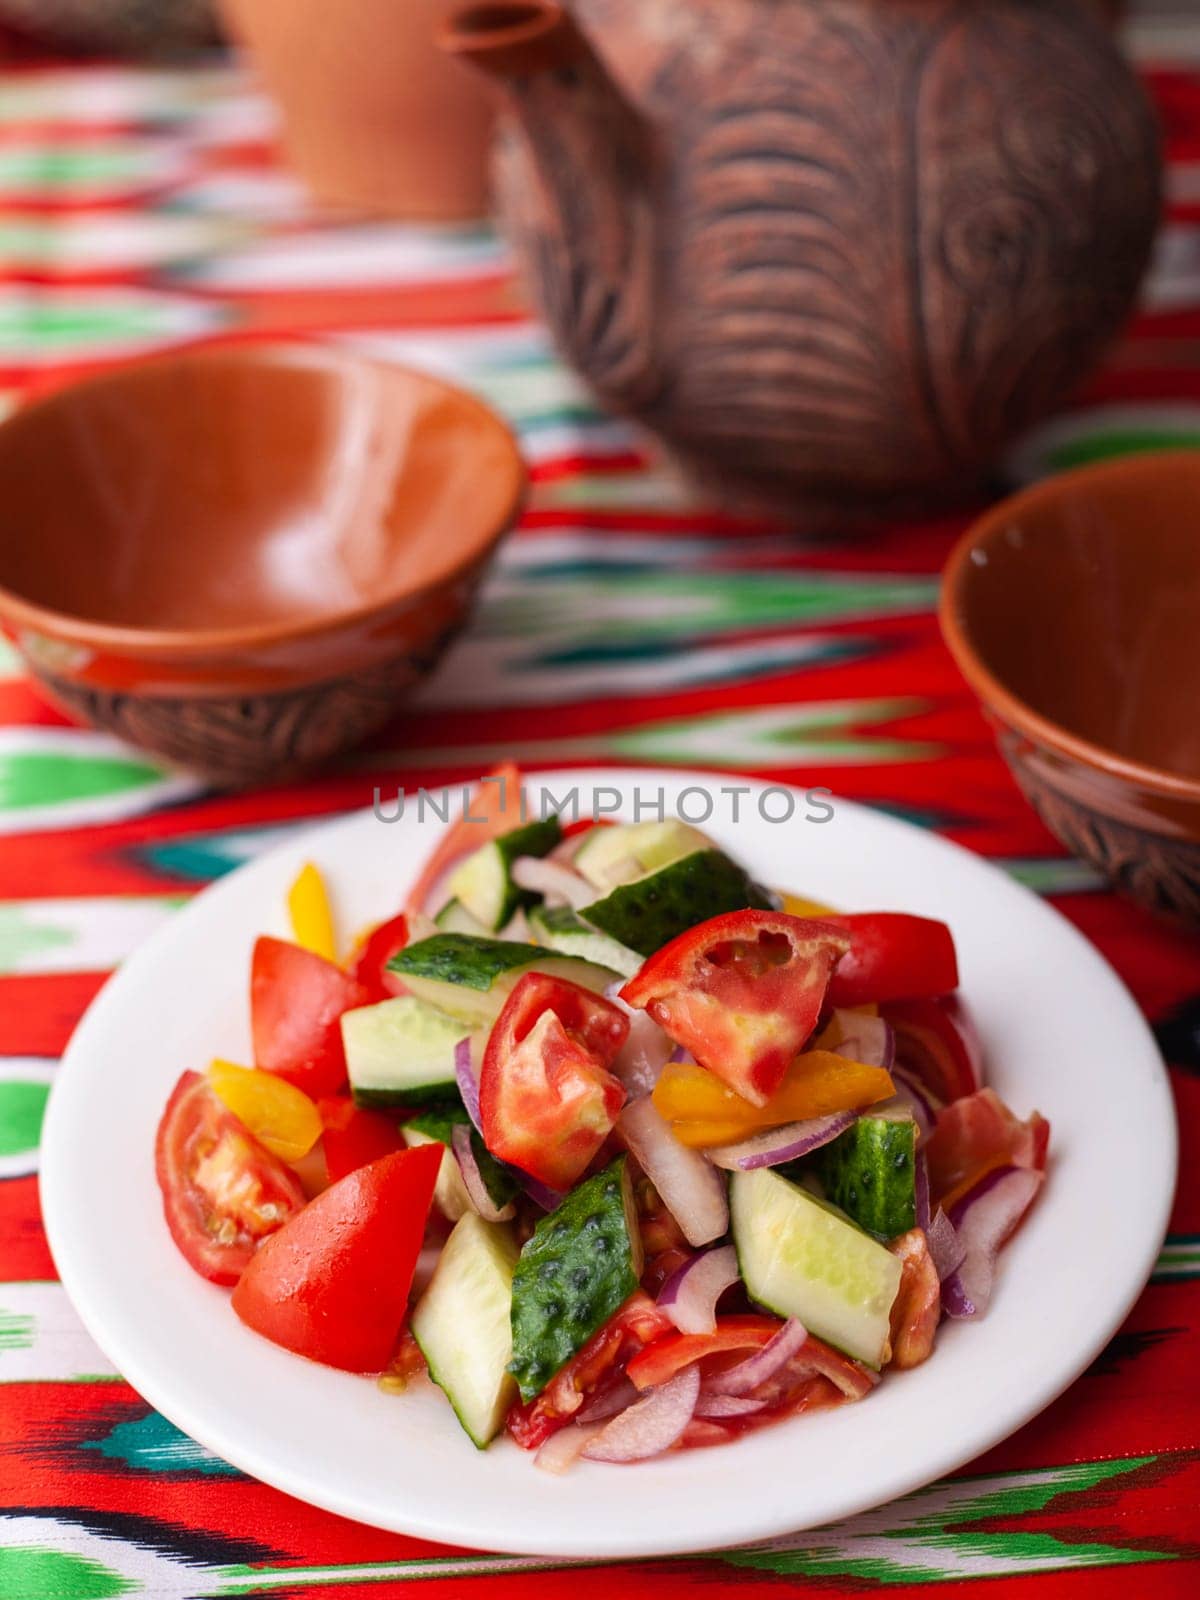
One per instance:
[(312, 920), (279, 1115), (702, 1111), (797, 906)]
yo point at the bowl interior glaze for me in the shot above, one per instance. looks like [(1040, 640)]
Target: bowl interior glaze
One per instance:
[(1079, 601), (245, 491)]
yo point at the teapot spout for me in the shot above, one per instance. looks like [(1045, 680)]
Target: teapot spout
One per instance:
[(578, 176)]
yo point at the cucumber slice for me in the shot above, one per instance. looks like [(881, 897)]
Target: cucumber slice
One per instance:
[(800, 1258), (439, 1123), (649, 913), (484, 883), (455, 918), (401, 1052), (559, 928), (869, 1172), (609, 856), (471, 978), (463, 1325), (580, 1265), (449, 1191)]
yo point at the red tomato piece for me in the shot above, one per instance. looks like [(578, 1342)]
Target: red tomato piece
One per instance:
[(893, 956), (333, 1286), (547, 1101), (223, 1192), (976, 1134), (634, 1326), (296, 1001), (354, 1137), (371, 963), (936, 1041), (495, 808), (742, 993), (917, 1308), (669, 1355)]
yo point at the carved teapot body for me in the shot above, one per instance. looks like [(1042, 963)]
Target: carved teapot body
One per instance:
[(824, 247)]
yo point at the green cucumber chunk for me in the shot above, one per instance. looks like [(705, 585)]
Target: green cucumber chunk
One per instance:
[(869, 1172), (455, 918), (449, 1191), (439, 1123), (471, 978), (463, 1324), (562, 929), (484, 885), (800, 1258), (647, 914), (400, 1052), (629, 850), (578, 1268)]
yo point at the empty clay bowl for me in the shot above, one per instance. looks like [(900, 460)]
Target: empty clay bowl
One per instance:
[(243, 558), (1073, 610)]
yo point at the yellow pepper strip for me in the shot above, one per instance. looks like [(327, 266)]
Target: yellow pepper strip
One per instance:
[(308, 907), (797, 906), (279, 1115), (696, 1103)]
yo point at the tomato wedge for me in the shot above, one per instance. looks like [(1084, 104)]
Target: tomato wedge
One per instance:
[(936, 1041), (495, 808), (639, 1321), (893, 956), (547, 1101), (333, 1284), (917, 1308), (702, 1111), (296, 1001), (370, 967), (975, 1135), (742, 993), (222, 1192), (355, 1137)]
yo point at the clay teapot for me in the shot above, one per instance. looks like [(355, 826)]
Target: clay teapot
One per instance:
[(824, 248)]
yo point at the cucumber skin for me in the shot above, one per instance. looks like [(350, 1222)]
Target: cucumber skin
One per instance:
[(461, 959), (576, 1271), (501, 1185), (651, 911), (869, 1173), (404, 1099), (530, 839)]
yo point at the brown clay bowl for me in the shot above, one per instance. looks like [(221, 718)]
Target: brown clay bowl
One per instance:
[(243, 558), (1073, 610)]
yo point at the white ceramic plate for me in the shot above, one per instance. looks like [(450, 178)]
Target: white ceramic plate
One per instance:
[(1061, 1034)]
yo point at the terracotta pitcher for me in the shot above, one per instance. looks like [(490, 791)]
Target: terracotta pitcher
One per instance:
[(825, 248), (375, 116)]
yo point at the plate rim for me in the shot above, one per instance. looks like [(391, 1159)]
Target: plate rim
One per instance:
[(751, 1528)]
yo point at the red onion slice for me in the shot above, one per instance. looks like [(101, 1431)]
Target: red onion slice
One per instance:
[(777, 1145), (480, 1198), (727, 1405), (468, 1083), (866, 1039), (692, 1191), (916, 1096), (921, 1193), (946, 1249), (617, 1397), (652, 1425), (646, 1050), (690, 1295), (555, 882), (983, 1219), (763, 1364), (541, 1195), (565, 1447)]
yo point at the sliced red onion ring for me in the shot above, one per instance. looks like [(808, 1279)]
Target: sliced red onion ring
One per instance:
[(690, 1295), (946, 1249), (652, 1425), (646, 1050), (554, 881), (692, 1190), (563, 1448), (727, 1405), (983, 1219), (468, 1083), (866, 1039), (616, 1398), (915, 1096), (548, 1199), (480, 1198), (777, 1145), (763, 1364), (921, 1193)]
